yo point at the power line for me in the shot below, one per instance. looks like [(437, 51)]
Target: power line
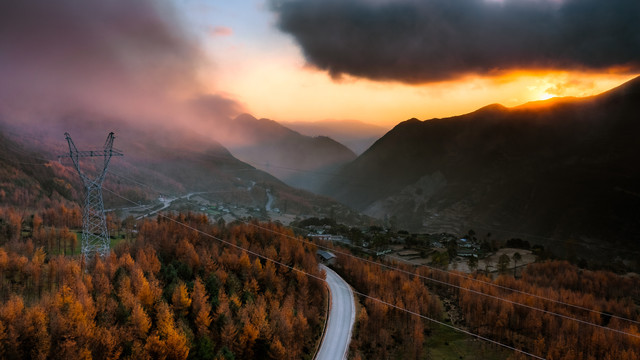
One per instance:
[(19, 150), (548, 312), (474, 223), (451, 273), (25, 163), (136, 182), (449, 326), (165, 193), (321, 279), (467, 289), (25, 154), (531, 295), (357, 182)]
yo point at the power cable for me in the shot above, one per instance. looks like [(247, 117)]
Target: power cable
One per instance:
[(548, 312), (453, 285), (452, 273), (513, 232), (322, 279), (356, 181), (348, 181)]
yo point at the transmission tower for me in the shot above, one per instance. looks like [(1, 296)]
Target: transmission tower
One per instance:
[(95, 236)]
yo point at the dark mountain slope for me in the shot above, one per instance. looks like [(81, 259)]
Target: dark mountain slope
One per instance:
[(296, 159), (562, 168), (27, 178)]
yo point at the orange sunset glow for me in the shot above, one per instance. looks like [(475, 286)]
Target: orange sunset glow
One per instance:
[(269, 75), (257, 57), (287, 93)]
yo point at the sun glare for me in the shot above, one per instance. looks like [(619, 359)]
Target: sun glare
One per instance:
[(545, 96)]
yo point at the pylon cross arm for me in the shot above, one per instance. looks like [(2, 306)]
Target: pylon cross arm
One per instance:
[(95, 236)]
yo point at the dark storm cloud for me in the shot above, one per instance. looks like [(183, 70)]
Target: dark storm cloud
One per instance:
[(418, 41)]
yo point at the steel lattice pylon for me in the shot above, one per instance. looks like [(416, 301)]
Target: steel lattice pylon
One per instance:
[(95, 236)]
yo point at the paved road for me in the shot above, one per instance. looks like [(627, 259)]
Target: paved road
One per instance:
[(166, 202), (269, 201), (342, 315)]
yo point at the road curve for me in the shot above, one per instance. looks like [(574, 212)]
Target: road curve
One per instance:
[(342, 316), (269, 200)]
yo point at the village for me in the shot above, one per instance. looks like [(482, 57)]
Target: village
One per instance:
[(443, 251), (467, 253)]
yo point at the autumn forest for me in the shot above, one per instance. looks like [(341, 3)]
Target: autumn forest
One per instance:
[(179, 287)]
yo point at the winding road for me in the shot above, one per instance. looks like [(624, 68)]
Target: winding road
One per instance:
[(269, 200), (342, 316), (166, 202)]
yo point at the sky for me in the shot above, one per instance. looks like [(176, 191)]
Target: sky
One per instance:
[(385, 61), (377, 61)]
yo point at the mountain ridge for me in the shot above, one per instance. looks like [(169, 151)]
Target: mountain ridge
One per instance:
[(541, 169), (292, 157), (151, 167), (356, 135)]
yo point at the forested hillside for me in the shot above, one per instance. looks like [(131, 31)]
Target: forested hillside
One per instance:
[(27, 180), (555, 310), (173, 292), (179, 287), (382, 331), (583, 314)]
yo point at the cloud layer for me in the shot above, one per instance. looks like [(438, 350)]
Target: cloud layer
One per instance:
[(132, 60), (419, 41)]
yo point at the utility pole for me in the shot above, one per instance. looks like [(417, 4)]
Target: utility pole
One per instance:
[(95, 236)]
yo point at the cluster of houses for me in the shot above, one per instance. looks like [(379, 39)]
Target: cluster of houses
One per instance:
[(464, 247), (467, 248), (329, 237), (318, 233)]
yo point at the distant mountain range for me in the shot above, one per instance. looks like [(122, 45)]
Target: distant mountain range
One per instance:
[(298, 160), (562, 169), (155, 163), (356, 135)]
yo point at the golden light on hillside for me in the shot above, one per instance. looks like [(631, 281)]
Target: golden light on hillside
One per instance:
[(543, 85)]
